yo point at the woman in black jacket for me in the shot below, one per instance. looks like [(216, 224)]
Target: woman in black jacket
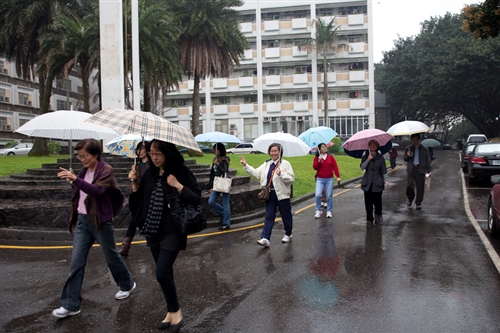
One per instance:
[(374, 181), (220, 167), (166, 177)]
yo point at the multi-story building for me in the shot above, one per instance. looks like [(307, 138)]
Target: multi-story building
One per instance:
[(279, 86), (19, 99)]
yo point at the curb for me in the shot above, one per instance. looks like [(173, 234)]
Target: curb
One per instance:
[(63, 235)]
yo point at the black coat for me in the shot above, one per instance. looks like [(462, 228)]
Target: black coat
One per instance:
[(168, 236), (374, 174), (423, 155)]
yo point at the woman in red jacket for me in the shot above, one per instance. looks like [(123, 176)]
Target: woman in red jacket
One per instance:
[(325, 166)]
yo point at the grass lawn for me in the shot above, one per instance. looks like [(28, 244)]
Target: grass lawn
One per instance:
[(302, 166)]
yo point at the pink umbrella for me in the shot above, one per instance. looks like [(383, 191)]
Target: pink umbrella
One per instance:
[(359, 141)]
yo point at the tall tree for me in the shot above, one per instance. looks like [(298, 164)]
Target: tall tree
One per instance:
[(324, 43), (483, 20), (210, 41)]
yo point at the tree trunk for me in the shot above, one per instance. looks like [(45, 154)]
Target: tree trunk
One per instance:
[(195, 120), (85, 87), (147, 97), (40, 144), (325, 92)]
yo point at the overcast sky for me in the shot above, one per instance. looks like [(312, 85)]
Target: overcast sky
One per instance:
[(403, 17)]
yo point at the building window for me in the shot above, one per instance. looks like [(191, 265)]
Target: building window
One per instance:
[(61, 105), (24, 99), (274, 98), (294, 125), (221, 125), (3, 97), (250, 128), (274, 71), (348, 125), (5, 124), (221, 101), (79, 89), (179, 102), (301, 97), (250, 99)]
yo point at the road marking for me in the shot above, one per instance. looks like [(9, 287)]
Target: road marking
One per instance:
[(487, 244)]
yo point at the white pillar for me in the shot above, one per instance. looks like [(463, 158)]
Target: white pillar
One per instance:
[(209, 126), (112, 76), (136, 83), (314, 66), (260, 97), (371, 67)]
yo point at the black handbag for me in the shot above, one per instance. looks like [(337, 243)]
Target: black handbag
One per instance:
[(188, 218)]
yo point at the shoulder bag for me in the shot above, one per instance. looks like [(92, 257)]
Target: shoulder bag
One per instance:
[(222, 184), (188, 218), (263, 194)]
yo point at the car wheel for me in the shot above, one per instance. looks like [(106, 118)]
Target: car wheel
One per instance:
[(11, 154), (492, 223), (252, 152)]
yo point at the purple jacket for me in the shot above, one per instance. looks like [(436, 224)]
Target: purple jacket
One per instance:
[(105, 200)]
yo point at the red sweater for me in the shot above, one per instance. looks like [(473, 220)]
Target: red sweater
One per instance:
[(326, 168)]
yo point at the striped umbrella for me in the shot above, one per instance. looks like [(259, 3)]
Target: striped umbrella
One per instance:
[(144, 124)]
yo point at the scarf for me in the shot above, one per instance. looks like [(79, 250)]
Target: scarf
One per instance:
[(153, 218)]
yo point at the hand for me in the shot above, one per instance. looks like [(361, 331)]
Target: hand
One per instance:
[(278, 171), (386, 184), (66, 174), (243, 161), (370, 157), (132, 175), (409, 153), (172, 181)]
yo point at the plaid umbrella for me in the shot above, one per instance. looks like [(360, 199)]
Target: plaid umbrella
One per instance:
[(144, 124)]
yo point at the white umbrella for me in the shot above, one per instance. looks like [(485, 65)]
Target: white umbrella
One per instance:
[(292, 146), (65, 125), (408, 127), (145, 124), (215, 137)]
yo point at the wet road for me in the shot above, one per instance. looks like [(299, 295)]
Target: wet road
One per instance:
[(419, 271)]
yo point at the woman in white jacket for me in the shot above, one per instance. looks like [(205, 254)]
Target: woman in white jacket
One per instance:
[(282, 174)]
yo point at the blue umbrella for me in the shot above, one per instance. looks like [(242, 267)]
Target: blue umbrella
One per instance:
[(430, 143), (217, 137), (316, 135), (359, 153)]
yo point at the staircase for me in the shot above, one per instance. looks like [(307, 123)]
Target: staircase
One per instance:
[(38, 198)]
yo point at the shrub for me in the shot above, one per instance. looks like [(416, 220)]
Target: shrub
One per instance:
[(194, 153), (10, 144), (336, 149), (54, 148)]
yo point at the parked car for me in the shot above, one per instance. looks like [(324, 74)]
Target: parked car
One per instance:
[(464, 156), (494, 206), (242, 148), (484, 161), (205, 149), (476, 138), (19, 149), (446, 146)]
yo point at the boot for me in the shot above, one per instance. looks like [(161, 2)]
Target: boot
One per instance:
[(125, 246)]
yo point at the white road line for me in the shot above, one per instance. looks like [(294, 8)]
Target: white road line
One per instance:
[(489, 248)]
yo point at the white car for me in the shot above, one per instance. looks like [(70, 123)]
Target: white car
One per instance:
[(242, 148), (19, 149)]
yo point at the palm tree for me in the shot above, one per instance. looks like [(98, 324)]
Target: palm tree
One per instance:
[(210, 42), (326, 35)]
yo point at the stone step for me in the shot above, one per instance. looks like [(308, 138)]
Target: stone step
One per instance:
[(54, 213), (118, 165)]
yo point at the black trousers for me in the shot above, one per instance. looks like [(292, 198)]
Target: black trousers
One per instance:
[(415, 179), (165, 275), (373, 199)]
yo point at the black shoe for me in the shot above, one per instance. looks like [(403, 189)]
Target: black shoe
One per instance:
[(408, 203), (164, 325), (379, 218), (224, 227), (369, 222), (176, 327), (419, 207)]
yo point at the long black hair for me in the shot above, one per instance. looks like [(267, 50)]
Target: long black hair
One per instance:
[(319, 147), (146, 145), (173, 159), (220, 148)]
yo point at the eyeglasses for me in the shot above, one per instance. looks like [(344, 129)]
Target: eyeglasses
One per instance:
[(82, 157), (155, 154)]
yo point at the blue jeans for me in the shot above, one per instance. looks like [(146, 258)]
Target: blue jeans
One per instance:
[(285, 208), (327, 184), (85, 235), (223, 210)]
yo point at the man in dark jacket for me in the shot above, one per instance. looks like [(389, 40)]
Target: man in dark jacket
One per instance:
[(418, 163)]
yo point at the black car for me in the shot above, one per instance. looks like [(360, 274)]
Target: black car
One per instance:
[(205, 149), (464, 156), (484, 161)]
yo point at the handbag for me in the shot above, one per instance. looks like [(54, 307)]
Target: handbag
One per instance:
[(188, 218), (222, 184), (263, 194)]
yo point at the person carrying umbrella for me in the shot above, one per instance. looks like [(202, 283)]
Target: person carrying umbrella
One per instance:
[(325, 166), (373, 182), (220, 168), (281, 173), (138, 170), (393, 155), (418, 163)]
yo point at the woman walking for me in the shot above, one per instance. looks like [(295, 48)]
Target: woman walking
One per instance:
[(166, 177), (325, 166), (138, 170), (279, 173), (373, 182), (220, 168), (96, 200)]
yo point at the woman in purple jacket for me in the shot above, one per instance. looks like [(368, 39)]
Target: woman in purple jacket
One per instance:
[(96, 200)]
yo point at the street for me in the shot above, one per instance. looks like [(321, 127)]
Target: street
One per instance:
[(418, 271)]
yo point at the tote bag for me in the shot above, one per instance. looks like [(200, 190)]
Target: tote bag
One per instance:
[(222, 184)]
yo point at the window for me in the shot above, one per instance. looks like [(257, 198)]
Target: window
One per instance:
[(249, 72), (179, 102), (61, 105), (292, 124), (24, 99), (221, 101), (221, 125), (274, 98), (2, 95), (346, 126), (273, 43), (250, 128), (250, 99), (79, 89), (274, 71), (301, 97)]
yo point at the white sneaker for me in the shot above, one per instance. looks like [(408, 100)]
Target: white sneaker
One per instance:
[(318, 214), (121, 294), (329, 214), (63, 313), (264, 242), (286, 239)]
